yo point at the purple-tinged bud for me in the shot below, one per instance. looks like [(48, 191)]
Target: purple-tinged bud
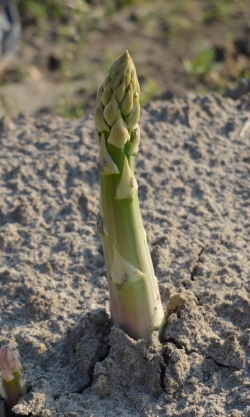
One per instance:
[(9, 362)]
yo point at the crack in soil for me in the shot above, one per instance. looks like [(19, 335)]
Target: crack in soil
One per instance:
[(188, 352), (91, 371), (195, 268), (81, 390), (198, 300), (180, 346), (162, 373), (220, 364)]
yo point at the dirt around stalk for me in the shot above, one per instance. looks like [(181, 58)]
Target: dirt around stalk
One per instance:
[(193, 175)]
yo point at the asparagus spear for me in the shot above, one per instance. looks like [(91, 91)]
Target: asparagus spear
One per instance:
[(135, 302), (12, 382)]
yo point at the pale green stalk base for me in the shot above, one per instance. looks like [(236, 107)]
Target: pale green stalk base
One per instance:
[(134, 297)]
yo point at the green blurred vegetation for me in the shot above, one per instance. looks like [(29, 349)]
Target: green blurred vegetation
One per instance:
[(66, 23), (35, 12), (217, 10), (201, 65)]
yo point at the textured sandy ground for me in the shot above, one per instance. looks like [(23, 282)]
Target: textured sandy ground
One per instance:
[(193, 171)]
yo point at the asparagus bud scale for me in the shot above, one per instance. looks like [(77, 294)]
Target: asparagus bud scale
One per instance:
[(12, 382), (135, 302)]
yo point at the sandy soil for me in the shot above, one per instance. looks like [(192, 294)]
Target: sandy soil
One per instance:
[(193, 171)]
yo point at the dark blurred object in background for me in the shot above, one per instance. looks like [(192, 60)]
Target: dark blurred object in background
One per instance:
[(10, 32)]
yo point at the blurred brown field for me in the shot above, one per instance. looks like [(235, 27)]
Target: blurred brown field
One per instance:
[(178, 46)]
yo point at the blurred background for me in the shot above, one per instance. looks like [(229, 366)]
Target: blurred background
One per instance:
[(178, 46)]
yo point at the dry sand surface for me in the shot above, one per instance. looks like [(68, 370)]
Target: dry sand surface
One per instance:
[(193, 171)]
